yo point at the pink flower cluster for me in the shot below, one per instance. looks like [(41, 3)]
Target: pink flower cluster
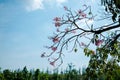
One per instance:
[(54, 48), (57, 21), (67, 29), (81, 14), (56, 39), (83, 44), (98, 42), (73, 31), (52, 63)]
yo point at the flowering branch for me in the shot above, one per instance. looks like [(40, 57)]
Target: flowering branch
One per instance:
[(69, 32)]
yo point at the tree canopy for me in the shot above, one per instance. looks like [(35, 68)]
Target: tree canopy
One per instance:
[(112, 6), (105, 58)]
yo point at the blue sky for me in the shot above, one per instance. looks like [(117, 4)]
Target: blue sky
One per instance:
[(24, 29)]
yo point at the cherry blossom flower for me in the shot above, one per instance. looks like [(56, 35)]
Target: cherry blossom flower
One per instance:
[(57, 24), (54, 48), (67, 29), (83, 44), (81, 14), (79, 11), (52, 63), (73, 31), (80, 18), (55, 40), (57, 19), (98, 42)]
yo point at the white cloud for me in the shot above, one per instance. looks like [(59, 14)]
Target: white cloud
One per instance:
[(61, 1), (39, 4), (34, 5)]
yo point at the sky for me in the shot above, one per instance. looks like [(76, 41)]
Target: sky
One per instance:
[(24, 29)]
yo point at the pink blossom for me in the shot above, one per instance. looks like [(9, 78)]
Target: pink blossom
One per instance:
[(57, 19), (73, 31), (54, 48), (80, 18), (52, 63), (67, 29), (83, 44), (57, 24), (98, 42), (55, 40), (79, 11), (81, 14)]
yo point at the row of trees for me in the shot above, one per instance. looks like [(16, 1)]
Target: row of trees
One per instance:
[(69, 74)]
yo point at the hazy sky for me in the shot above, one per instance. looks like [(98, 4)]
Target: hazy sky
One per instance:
[(24, 29)]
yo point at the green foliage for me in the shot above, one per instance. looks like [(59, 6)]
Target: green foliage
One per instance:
[(104, 65), (88, 52), (112, 6)]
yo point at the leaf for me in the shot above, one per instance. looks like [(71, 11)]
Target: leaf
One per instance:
[(114, 17), (75, 50), (90, 13), (85, 50), (96, 36)]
